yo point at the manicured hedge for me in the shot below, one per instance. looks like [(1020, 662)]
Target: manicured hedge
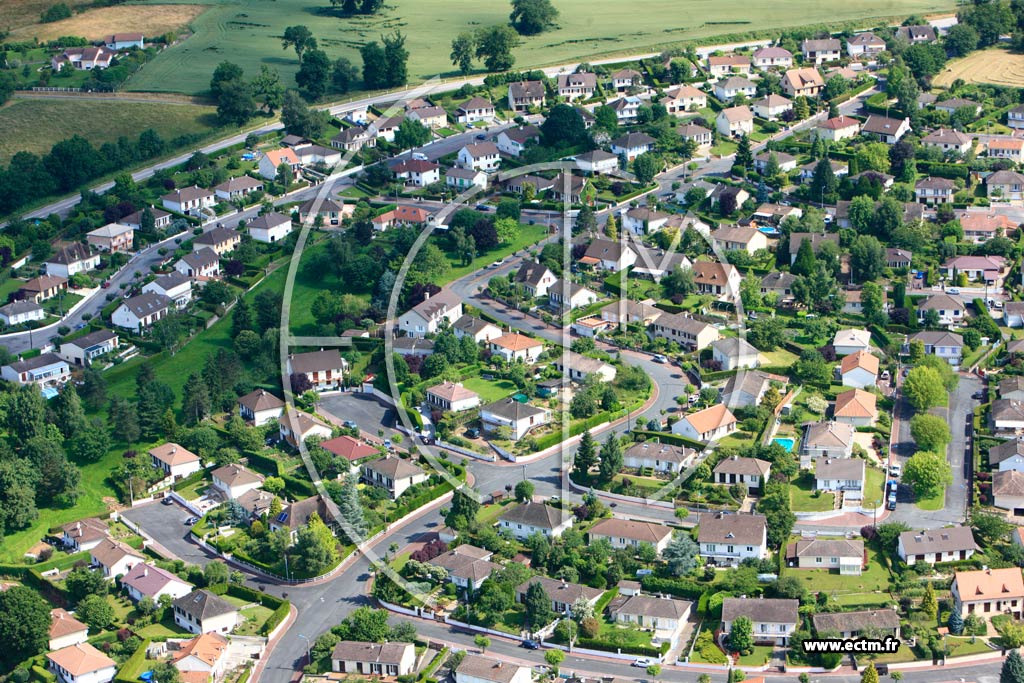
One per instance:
[(279, 615), (680, 588), (669, 437), (134, 665)]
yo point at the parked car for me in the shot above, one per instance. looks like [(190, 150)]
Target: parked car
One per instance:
[(660, 358), (191, 520), (895, 469), (349, 424), (472, 433), (641, 662), (953, 291), (167, 500), (978, 395), (891, 505), (530, 644), (481, 136)]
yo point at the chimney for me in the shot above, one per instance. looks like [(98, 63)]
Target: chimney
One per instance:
[(174, 449), (145, 571)]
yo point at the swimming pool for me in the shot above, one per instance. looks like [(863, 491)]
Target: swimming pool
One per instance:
[(786, 442)]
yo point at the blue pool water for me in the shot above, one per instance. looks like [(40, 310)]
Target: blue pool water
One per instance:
[(786, 443)]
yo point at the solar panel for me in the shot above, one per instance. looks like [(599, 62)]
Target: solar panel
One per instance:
[(282, 517)]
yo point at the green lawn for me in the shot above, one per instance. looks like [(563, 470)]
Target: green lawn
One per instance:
[(778, 358), (802, 496), (873, 487), (873, 580), (932, 503), (488, 514), (759, 657), (249, 31), (35, 125), (254, 620), (490, 390), (529, 235), (162, 629)]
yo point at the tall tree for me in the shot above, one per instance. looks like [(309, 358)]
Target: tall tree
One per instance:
[(1011, 672), (24, 625), (344, 75), (315, 546), (928, 473), (867, 258), (744, 157), (530, 17), (235, 104), (195, 402), (396, 58), (538, 607), (374, 66), (313, 74), (17, 495), (299, 37), (494, 45), (611, 458), (299, 119), (351, 509), (463, 46), (586, 455), (267, 86), (681, 554), (225, 72), (68, 413)]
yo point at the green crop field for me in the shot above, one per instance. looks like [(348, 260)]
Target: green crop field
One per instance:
[(34, 125), (248, 32)]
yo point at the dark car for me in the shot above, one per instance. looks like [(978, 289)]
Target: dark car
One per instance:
[(472, 433), (481, 136), (167, 500), (349, 424), (978, 395), (891, 505), (530, 644)]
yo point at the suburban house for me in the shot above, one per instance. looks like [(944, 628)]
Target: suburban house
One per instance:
[(769, 57), (1008, 491), (632, 145), (786, 162), (817, 240), (46, 370), (916, 34), (65, 630), (161, 219), (989, 592), (855, 407), (683, 99), (203, 612), (952, 105), (518, 417), (202, 658), (859, 369), (524, 95), (947, 345), (727, 539), (819, 553), (626, 311), (83, 58), (699, 135), (125, 41), (430, 117), (175, 461), (479, 330), (1005, 185), (353, 139), (199, 265), (851, 341), (950, 310), (452, 397), (1006, 149), (393, 474), (771, 107), (235, 189), (149, 581), (413, 346), (723, 65), (1012, 387), (373, 659), (526, 519), (733, 352), (235, 480), (625, 533), (802, 82), (826, 440), (1008, 415), (41, 288), (578, 367), (950, 544), (562, 593), (403, 215), (898, 258), (987, 269), (739, 238), (72, 259), (660, 457), (427, 316), (709, 424), (517, 347), (270, 227), (820, 51), (624, 79), (751, 472), (175, 286), (934, 191), (114, 558), (665, 616), (838, 128), (84, 534), (778, 283), (296, 515), (571, 189), (112, 237), (774, 619), (417, 172), (856, 624), (642, 220), (728, 89), (477, 669), (474, 109), (535, 278), (626, 109), (948, 140), (1008, 455), (577, 85), (566, 295), (748, 388), (720, 279), (81, 663), (349, 448), (328, 211), (324, 369), (465, 178), (189, 200), (597, 162), (735, 121), (885, 129), (467, 566), (865, 44), (1015, 117), (844, 475), (275, 158), (220, 240), (689, 332)]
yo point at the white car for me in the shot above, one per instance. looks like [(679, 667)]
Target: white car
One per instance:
[(895, 469), (659, 358), (642, 662)]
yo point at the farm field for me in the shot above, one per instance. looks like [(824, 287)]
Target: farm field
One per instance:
[(996, 66), (95, 24), (34, 125), (248, 32), (18, 13)]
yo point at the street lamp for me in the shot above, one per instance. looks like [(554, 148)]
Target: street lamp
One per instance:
[(308, 660)]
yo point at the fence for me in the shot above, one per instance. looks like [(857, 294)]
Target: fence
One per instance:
[(465, 451)]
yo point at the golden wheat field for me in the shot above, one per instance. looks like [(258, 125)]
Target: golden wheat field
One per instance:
[(94, 24), (996, 66)]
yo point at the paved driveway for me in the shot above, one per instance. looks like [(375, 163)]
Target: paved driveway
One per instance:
[(166, 525), (369, 413)]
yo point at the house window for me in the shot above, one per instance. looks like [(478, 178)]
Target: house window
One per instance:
[(728, 548), (817, 560)]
